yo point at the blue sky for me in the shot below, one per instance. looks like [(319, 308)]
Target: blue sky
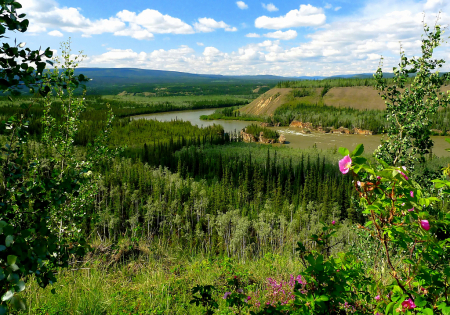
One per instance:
[(289, 38)]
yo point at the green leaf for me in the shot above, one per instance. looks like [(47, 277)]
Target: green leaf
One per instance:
[(420, 302), (20, 286), (322, 298), (389, 308), (2, 274), (358, 150), (427, 311), (2, 310), (359, 160), (344, 151), (444, 308), (11, 259), (18, 303), (2, 248), (7, 296), (9, 240)]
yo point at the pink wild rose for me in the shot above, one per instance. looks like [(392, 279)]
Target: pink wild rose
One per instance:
[(403, 174), (408, 304), (412, 194), (425, 224), (345, 164), (377, 297), (334, 222)]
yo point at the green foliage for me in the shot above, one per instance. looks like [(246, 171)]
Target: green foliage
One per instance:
[(410, 107), (327, 83), (205, 299), (256, 130), (42, 199), (31, 65), (330, 116), (325, 89), (404, 219)]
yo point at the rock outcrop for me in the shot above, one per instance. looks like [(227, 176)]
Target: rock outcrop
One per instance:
[(299, 124), (247, 137), (358, 131), (263, 139)]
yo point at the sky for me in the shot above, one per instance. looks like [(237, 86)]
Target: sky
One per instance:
[(281, 37)]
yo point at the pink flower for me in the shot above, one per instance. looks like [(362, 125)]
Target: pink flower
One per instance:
[(226, 295), (412, 194), (403, 174), (377, 297), (358, 183), (249, 298), (412, 209), (408, 304), (334, 222), (425, 224), (345, 164)]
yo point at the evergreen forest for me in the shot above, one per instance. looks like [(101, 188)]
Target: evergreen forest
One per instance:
[(104, 212)]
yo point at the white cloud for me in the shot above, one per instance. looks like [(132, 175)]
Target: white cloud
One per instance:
[(307, 15), (241, 5), (200, 44), (253, 35), (337, 8), (135, 31), (55, 33), (269, 7), (288, 35), (44, 14), (155, 22), (348, 44), (433, 4), (328, 6), (206, 25)]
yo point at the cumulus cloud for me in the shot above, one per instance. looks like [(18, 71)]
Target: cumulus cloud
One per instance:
[(155, 22), (307, 15), (241, 5), (44, 14), (206, 25), (200, 44), (288, 35), (349, 44), (55, 33), (337, 8), (253, 35), (269, 7)]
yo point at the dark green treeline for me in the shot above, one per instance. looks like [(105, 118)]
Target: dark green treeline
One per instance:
[(221, 202)]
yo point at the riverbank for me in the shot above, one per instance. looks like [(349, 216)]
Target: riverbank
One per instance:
[(295, 138)]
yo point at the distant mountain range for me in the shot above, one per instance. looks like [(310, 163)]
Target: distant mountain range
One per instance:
[(129, 76)]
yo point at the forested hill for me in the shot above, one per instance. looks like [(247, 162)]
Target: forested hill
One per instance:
[(134, 80), (135, 75)]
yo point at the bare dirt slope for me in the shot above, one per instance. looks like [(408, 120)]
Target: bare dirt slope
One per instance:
[(358, 97), (267, 103)]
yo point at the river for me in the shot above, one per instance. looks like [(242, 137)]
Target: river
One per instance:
[(294, 137)]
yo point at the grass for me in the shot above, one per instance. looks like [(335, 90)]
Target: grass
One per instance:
[(155, 281)]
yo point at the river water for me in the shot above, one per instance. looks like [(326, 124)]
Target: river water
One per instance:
[(294, 137)]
